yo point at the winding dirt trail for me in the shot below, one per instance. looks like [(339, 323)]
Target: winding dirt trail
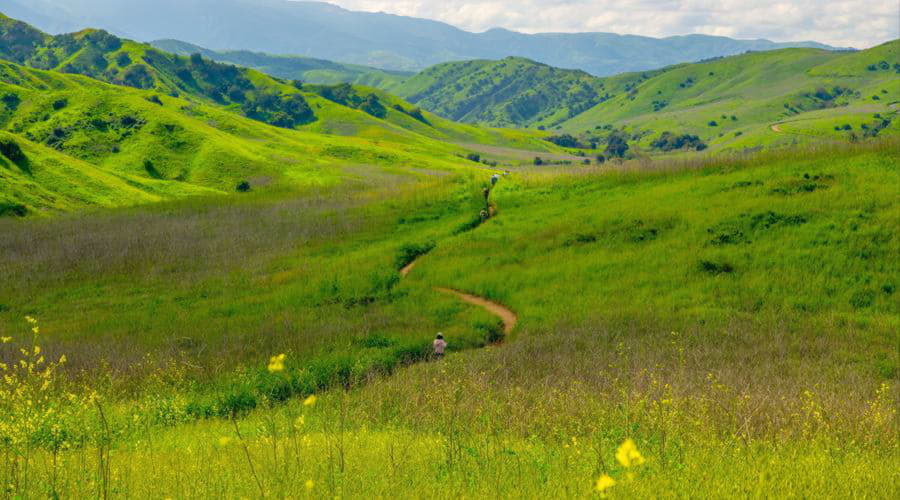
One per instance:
[(776, 127), (506, 315)]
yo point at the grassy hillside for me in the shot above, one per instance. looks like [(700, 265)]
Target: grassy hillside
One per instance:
[(730, 317), (510, 92), (165, 147), (258, 96), (727, 103), (188, 133), (734, 102), (306, 69)]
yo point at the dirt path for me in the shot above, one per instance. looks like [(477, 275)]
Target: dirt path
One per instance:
[(776, 128), (407, 268), (508, 317)]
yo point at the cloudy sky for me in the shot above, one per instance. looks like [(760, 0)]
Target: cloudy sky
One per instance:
[(856, 23)]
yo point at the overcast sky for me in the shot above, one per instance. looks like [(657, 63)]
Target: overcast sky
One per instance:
[(856, 23)]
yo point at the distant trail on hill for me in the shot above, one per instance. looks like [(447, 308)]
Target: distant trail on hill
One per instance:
[(776, 128)]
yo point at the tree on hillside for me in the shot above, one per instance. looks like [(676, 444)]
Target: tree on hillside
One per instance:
[(617, 144)]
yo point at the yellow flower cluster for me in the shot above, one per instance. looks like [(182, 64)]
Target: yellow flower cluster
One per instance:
[(628, 456), (276, 363)]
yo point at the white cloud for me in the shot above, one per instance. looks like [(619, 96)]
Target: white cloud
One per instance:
[(857, 23)]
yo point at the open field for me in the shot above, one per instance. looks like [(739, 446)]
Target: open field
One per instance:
[(735, 316)]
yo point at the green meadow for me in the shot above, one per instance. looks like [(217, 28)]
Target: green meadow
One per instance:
[(735, 317)]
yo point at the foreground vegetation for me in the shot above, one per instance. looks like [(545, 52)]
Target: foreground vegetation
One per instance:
[(735, 317)]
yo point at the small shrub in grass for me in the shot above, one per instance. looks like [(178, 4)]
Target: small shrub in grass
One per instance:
[(716, 268), (468, 225), (862, 299), (473, 157), (411, 251), (155, 100), (492, 331), (236, 403), (242, 187), (60, 104), (375, 341)]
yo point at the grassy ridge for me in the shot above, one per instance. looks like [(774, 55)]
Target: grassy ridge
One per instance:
[(730, 316)]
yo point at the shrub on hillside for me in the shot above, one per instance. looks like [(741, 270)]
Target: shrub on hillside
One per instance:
[(242, 187), (566, 141), (372, 105), (670, 142), (138, 76), (411, 251), (11, 101), (617, 145), (11, 150)]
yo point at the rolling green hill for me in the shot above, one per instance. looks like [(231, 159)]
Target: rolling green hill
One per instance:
[(510, 92), (306, 69), (758, 98), (728, 102), (194, 126)]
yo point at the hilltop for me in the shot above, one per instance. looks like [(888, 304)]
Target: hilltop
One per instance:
[(326, 31)]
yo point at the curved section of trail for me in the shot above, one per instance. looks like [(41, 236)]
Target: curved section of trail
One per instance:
[(508, 317), (776, 127)]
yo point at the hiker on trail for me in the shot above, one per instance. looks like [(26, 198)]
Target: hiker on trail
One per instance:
[(439, 345), (494, 179), (485, 214), (487, 193)]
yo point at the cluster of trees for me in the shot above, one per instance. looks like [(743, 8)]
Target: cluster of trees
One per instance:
[(346, 95), (415, 113), (668, 141), (278, 109), (569, 141)]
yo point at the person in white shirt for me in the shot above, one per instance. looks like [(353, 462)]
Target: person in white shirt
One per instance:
[(439, 345)]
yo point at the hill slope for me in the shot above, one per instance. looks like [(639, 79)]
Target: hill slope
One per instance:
[(373, 39), (510, 92), (736, 101), (743, 94)]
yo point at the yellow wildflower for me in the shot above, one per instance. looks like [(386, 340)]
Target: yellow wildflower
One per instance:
[(30, 320), (36, 330), (276, 363), (604, 483), (310, 400), (310, 484), (224, 441), (628, 455), (5, 340), (300, 421)]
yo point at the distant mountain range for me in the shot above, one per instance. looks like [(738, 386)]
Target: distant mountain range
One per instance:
[(306, 69), (325, 31)]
